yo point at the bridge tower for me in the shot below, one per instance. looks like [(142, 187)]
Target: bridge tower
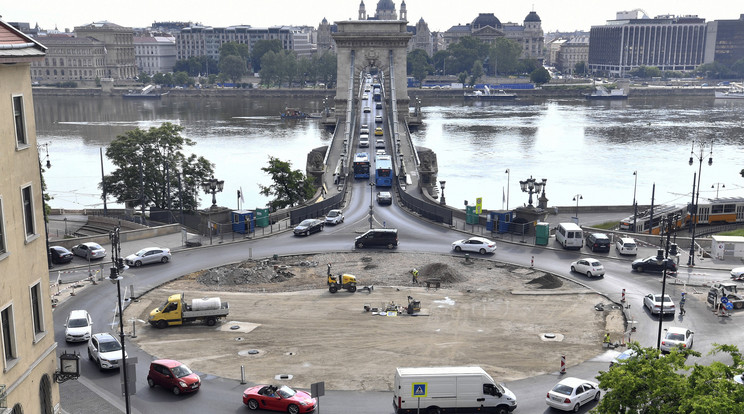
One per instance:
[(370, 43)]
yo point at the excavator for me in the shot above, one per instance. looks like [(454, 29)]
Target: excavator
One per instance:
[(344, 281)]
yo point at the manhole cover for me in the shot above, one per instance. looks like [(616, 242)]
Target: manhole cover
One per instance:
[(249, 352), (289, 353), (283, 377), (240, 338), (549, 335), (234, 327), (252, 351)]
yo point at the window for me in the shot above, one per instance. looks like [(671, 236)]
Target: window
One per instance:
[(37, 312), (20, 122), (8, 337), (3, 248), (28, 211)]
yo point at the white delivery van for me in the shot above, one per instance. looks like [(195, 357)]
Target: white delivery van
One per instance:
[(449, 389), (569, 235)]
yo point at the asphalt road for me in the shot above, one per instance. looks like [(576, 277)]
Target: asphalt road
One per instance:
[(221, 395)]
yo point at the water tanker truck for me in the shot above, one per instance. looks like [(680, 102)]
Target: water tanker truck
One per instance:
[(176, 311)]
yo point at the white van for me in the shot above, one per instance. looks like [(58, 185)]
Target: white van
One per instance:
[(78, 326), (570, 236), (461, 389)]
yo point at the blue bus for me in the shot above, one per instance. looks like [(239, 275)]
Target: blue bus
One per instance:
[(361, 165), (383, 171)]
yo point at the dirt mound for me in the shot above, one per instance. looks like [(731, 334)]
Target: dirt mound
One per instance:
[(546, 282), (246, 273), (442, 272)]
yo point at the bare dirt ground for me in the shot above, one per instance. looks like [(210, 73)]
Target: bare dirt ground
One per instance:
[(485, 313)]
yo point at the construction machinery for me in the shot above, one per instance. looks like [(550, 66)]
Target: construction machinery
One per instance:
[(343, 281), (725, 290), (414, 306)]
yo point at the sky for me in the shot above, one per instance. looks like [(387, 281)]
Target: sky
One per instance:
[(439, 14)]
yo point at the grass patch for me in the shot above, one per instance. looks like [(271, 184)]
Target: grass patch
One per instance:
[(609, 225), (739, 232)]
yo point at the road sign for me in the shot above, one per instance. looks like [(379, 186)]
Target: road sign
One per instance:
[(418, 389), (724, 299), (729, 305)]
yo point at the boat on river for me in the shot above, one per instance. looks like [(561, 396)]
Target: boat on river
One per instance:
[(488, 95), (736, 91), (148, 92), (293, 113), (602, 93)]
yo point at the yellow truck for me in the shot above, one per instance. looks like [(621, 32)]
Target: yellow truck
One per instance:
[(176, 311)]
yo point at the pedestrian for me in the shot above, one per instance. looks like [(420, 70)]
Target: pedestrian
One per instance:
[(414, 274), (606, 339), (682, 304)]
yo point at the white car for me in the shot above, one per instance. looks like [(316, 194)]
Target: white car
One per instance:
[(380, 144), (105, 350), (89, 251), (334, 217), (624, 356), (676, 337), (474, 244), (148, 255), (589, 267), (737, 273), (366, 109), (653, 303), (78, 326), (626, 245), (571, 393)]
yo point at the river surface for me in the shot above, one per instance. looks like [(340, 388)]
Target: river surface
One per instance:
[(585, 148)]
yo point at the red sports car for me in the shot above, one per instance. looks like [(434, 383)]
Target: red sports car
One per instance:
[(278, 398)]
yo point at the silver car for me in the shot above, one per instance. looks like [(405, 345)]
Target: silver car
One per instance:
[(588, 266), (334, 217), (89, 251), (653, 303), (148, 255)]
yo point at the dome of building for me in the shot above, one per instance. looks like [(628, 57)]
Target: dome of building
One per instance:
[(486, 19), (532, 17), (385, 5)]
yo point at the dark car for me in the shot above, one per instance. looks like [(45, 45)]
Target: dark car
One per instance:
[(652, 264), (384, 198), (378, 238), (60, 255), (598, 242), (173, 375), (309, 226)]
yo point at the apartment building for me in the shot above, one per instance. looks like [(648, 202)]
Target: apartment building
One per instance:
[(27, 350)]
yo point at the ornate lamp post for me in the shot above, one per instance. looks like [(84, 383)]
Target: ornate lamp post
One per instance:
[(371, 199), (696, 196), (213, 186), (576, 198), (716, 186), (531, 186), (635, 204), (669, 224), (508, 176), (115, 277), (441, 185), (43, 199)]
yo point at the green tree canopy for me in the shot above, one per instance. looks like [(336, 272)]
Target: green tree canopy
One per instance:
[(580, 68), (504, 56), (419, 64), (233, 67), (650, 383), (540, 76), (260, 48), (476, 72), (144, 78), (159, 152), (646, 72), (290, 187)]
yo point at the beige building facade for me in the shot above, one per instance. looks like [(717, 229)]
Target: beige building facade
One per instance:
[(27, 346), (118, 50)]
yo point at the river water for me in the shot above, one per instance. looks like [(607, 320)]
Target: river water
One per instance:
[(580, 147)]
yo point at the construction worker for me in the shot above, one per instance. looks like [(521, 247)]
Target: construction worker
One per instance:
[(682, 304), (606, 339), (414, 274)]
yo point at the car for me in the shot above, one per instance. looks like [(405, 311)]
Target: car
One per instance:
[(626, 245), (380, 152), (737, 273), (384, 198), (378, 119), (571, 393), (60, 255), (105, 351), (623, 357), (474, 244), (366, 89), (279, 398), (148, 255), (363, 140), (364, 131), (653, 303), (652, 264), (589, 267), (173, 375), (365, 97), (89, 251), (377, 238), (334, 217), (380, 143), (364, 126), (378, 105), (378, 131), (308, 227), (366, 109), (598, 242), (739, 379), (78, 326), (676, 337)]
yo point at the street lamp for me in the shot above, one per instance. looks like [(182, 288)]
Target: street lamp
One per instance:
[(635, 204), (371, 199), (441, 185), (213, 186), (531, 186), (696, 196), (508, 175), (576, 198), (716, 185), (115, 277), (43, 199), (670, 221)]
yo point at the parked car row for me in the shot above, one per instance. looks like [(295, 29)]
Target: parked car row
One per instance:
[(89, 250)]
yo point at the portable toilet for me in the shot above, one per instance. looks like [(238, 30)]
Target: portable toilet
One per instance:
[(242, 221), (542, 233), (262, 217)]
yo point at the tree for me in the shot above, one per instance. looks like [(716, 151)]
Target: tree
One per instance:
[(580, 68), (649, 383), (462, 77), (540, 76), (290, 187), (504, 56), (419, 64), (158, 152), (646, 72), (476, 72), (233, 67), (144, 78), (439, 60), (182, 78), (262, 47)]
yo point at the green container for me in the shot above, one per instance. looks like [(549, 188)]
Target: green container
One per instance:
[(262, 217), (542, 234), (471, 217)]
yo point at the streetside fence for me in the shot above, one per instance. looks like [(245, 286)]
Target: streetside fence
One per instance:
[(319, 209), (427, 210)]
